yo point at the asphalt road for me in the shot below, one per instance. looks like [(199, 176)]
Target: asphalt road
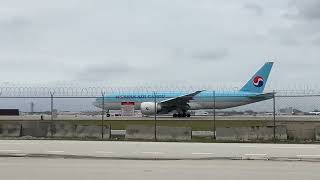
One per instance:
[(84, 169), (158, 150), (161, 117)]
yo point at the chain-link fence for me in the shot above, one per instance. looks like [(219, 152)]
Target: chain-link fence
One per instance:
[(82, 113)]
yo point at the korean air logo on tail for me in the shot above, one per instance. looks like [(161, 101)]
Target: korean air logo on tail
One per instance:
[(258, 81)]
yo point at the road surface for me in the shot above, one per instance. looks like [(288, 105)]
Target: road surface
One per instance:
[(158, 150), (84, 169)]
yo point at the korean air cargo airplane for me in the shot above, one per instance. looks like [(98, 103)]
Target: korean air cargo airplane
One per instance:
[(179, 103)]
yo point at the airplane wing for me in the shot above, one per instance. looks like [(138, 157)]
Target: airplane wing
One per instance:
[(180, 100)]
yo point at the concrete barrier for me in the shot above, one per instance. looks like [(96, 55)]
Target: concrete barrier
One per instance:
[(92, 131), (202, 134), (10, 130), (140, 132), (61, 130), (251, 134), (232, 134), (174, 133), (34, 128), (317, 133), (281, 133), (300, 131), (266, 133)]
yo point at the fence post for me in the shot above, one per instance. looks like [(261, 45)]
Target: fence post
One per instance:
[(214, 116), (102, 114), (51, 97), (274, 116), (155, 116), (51, 122)]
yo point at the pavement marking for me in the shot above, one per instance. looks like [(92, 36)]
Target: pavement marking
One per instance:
[(250, 146), (152, 152), (104, 152), (9, 150), (55, 151), (280, 147), (308, 155), (293, 147), (5, 143), (201, 153), (11, 142), (255, 154)]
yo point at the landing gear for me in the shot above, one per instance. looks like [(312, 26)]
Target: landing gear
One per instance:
[(108, 113), (181, 115)]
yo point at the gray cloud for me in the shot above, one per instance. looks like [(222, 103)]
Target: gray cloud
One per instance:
[(14, 23), (102, 72), (316, 41), (200, 54), (15, 31), (300, 25), (307, 10), (167, 41), (255, 8), (210, 55)]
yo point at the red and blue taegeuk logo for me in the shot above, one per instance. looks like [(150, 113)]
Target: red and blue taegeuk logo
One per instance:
[(258, 81)]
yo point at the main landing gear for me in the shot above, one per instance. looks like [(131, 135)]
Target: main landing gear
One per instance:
[(108, 113), (181, 115)]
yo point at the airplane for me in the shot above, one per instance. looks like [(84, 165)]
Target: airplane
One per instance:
[(314, 113), (180, 103)]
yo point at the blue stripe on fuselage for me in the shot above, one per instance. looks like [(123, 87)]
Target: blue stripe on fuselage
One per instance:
[(205, 96)]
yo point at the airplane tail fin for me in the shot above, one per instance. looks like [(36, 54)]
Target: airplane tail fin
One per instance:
[(257, 83)]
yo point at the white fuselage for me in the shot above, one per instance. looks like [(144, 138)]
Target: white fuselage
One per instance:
[(201, 101)]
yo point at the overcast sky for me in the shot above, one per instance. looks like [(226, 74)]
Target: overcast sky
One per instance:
[(155, 42)]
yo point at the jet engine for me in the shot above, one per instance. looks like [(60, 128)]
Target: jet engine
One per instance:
[(148, 108)]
